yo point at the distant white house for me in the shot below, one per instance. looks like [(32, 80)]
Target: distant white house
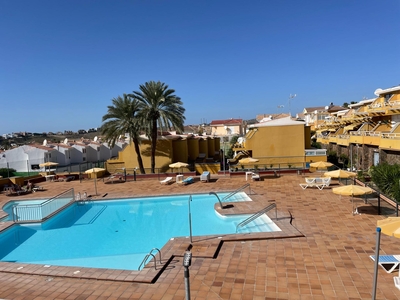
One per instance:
[(28, 157)]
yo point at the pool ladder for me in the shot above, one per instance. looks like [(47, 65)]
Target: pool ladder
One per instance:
[(237, 191), (152, 255), (230, 194), (257, 215)]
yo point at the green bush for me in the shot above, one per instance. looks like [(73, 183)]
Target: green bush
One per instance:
[(4, 172), (386, 177)]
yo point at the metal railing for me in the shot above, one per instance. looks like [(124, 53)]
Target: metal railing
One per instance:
[(39, 212), (257, 215), (237, 191), (152, 255)]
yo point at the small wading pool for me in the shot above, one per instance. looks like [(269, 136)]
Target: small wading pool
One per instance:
[(118, 234)]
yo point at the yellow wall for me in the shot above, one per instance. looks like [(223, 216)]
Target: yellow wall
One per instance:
[(213, 168), (168, 151), (211, 147), (277, 141), (180, 151), (193, 148), (307, 137), (203, 146), (163, 154)]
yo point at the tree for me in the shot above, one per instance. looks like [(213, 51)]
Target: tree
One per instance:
[(122, 118), (386, 178), (159, 108)]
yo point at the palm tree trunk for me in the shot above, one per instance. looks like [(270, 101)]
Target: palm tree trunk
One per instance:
[(139, 156), (153, 145)]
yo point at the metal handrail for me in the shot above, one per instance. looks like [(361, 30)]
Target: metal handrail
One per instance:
[(151, 254), (257, 215), (219, 200), (236, 191)]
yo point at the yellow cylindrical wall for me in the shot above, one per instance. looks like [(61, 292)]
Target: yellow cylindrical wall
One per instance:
[(180, 151), (203, 146), (193, 148)]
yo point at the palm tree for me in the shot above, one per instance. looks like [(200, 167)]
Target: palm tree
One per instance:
[(122, 118), (159, 108)]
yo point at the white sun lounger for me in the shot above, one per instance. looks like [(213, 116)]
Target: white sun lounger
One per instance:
[(167, 180), (320, 183), (388, 262), (397, 282)]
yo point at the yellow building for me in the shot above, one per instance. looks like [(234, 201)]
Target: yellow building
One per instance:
[(170, 148), (278, 143), (368, 132), (227, 127)]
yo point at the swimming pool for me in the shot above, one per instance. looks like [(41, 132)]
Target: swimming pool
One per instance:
[(117, 234)]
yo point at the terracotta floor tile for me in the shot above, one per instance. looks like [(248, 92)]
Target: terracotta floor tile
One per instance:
[(324, 254)]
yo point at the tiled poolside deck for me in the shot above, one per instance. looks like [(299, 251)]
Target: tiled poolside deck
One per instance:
[(324, 254)]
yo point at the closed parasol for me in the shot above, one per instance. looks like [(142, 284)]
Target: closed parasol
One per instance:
[(352, 190)]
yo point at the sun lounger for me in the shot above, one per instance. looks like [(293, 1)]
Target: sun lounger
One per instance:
[(205, 177), (397, 282), (167, 180), (255, 176), (388, 262), (320, 183), (188, 180)]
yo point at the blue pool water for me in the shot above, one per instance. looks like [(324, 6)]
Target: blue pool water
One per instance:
[(117, 234)]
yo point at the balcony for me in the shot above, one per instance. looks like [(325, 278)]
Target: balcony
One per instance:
[(343, 139), (390, 141)]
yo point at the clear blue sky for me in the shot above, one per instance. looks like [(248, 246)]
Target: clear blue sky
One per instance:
[(61, 62)]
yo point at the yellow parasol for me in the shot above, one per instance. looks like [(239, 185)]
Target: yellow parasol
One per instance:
[(95, 171), (340, 174), (178, 165), (321, 164), (48, 164), (248, 160), (390, 226), (352, 190)]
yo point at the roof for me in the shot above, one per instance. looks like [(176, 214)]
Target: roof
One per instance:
[(379, 92), (227, 122), (279, 122)]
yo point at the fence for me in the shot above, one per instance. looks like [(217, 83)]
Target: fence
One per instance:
[(39, 212), (31, 168), (380, 203)]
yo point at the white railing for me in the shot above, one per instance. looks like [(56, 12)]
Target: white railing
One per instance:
[(39, 212), (316, 152)]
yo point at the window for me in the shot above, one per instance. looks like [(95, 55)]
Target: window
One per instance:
[(35, 167)]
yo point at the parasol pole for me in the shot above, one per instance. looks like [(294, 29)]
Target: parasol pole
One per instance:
[(95, 182), (378, 239)]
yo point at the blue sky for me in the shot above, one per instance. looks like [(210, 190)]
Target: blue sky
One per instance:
[(61, 62)]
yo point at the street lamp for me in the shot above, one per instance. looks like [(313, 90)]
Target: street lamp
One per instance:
[(190, 220)]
